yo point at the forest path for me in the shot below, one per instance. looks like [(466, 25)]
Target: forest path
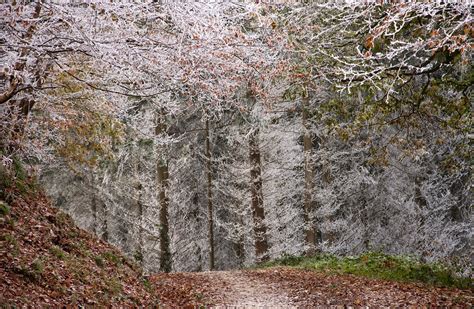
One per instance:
[(281, 287), (240, 290)]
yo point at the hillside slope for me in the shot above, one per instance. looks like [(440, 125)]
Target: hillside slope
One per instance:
[(46, 259)]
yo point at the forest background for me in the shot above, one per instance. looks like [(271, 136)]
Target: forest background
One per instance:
[(198, 135)]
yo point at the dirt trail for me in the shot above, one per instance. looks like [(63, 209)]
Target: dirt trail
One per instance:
[(243, 291)]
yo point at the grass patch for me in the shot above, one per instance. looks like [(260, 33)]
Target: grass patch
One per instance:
[(62, 219), (33, 272), (147, 285), (111, 257), (380, 266), (37, 266), (11, 243), (4, 209), (78, 270), (81, 249), (58, 252), (15, 182), (114, 287), (99, 261), (24, 184)]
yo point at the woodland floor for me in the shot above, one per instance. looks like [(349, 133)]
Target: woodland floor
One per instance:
[(295, 288)]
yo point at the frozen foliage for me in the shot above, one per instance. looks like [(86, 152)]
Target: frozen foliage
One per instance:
[(406, 207), (243, 130)]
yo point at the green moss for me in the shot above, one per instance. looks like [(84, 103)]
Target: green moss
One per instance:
[(5, 181), (381, 266), (287, 260)]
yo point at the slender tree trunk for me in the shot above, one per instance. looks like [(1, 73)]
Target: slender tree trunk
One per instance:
[(260, 230), (310, 233), (141, 250), (95, 216), (210, 210), (240, 245), (105, 224), (99, 227), (163, 175)]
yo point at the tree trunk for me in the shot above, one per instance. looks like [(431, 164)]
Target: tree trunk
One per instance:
[(240, 245), (260, 230), (162, 171), (95, 216), (99, 212), (141, 251), (105, 224), (310, 233), (210, 210)]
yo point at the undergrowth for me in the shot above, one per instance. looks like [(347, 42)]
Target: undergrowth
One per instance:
[(380, 266), (15, 180)]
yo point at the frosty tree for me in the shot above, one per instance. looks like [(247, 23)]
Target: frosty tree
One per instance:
[(215, 135)]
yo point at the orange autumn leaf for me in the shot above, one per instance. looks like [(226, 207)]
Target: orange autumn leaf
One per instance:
[(369, 42)]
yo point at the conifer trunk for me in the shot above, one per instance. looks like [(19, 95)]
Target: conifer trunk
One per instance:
[(141, 247), (310, 234), (210, 210), (163, 184), (260, 229)]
